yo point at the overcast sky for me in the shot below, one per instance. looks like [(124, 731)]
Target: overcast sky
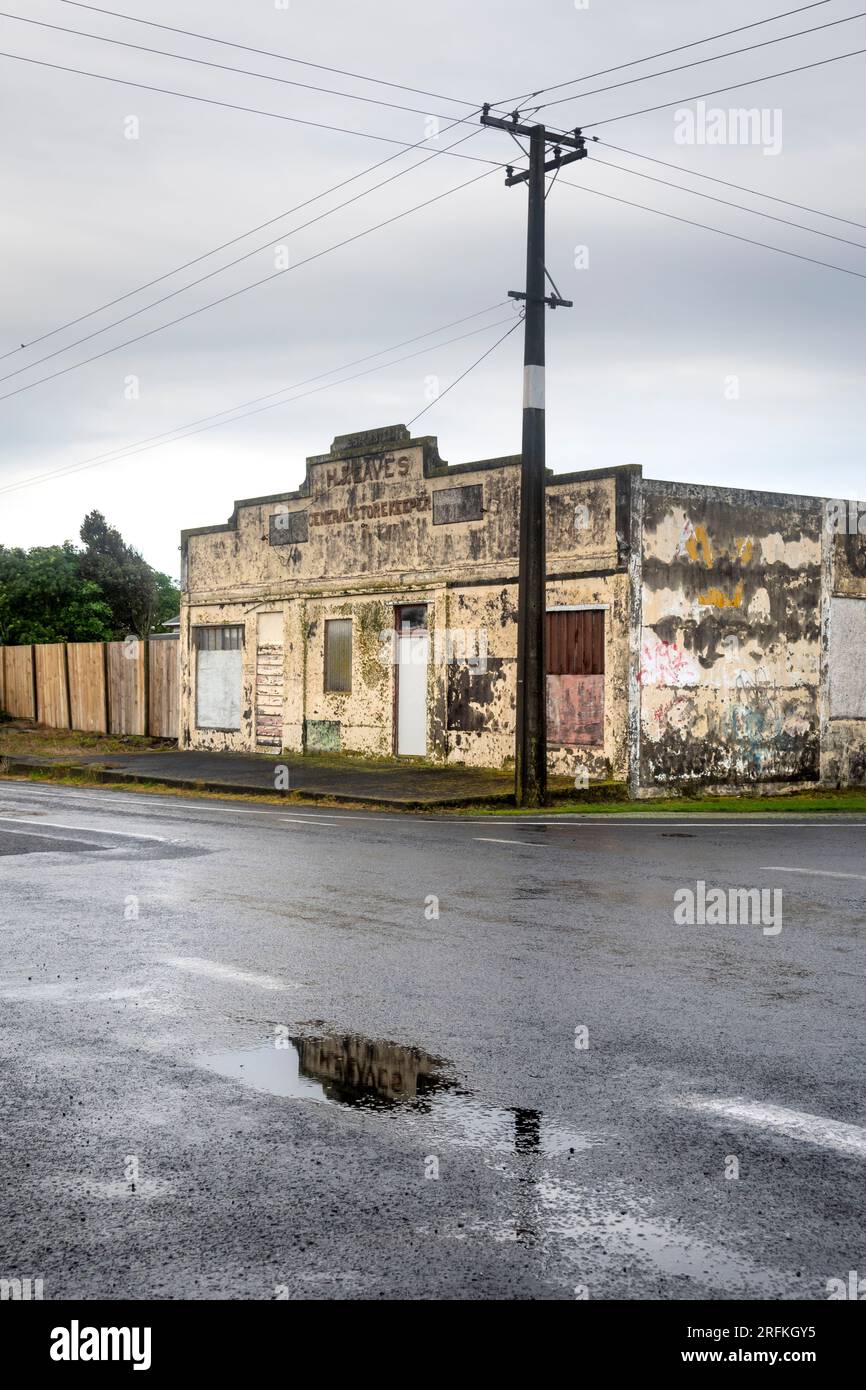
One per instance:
[(698, 356)]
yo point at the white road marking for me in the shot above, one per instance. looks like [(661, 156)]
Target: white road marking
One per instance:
[(306, 820), (53, 839), (795, 1124), (818, 873), (490, 840), (81, 829), (217, 971), (128, 801)]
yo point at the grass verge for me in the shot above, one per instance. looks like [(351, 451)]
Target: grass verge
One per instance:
[(851, 801)]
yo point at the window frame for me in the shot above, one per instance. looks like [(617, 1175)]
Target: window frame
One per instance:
[(204, 639), (327, 673)]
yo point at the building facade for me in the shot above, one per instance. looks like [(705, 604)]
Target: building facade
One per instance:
[(695, 635)]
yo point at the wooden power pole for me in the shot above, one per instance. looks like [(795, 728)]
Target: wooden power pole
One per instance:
[(530, 752)]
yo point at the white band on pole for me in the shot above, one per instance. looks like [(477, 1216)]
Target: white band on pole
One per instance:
[(533, 388)]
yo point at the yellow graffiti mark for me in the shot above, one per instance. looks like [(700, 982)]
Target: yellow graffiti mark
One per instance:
[(744, 550), (700, 539), (717, 598)]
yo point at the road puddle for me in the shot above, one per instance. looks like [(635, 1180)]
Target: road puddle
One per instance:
[(369, 1074), (340, 1069)]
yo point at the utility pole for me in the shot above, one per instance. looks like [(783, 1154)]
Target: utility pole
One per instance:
[(530, 751)]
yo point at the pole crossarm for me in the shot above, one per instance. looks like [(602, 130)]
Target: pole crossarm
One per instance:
[(557, 162), (553, 301), (574, 141)]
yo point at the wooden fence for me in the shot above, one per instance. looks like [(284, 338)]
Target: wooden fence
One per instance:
[(126, 687)]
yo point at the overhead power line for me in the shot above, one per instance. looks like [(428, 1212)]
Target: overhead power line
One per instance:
[(225, 67), (269, 53), (317, 255), (726, 202), (227, 105), (228, 265), (733, 87), (217, 420), (650, 57), (705, 226), (698, 62), (463, 375), (726, 183), (232, 241)]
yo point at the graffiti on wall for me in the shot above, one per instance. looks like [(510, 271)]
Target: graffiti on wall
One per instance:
[(664, 663)]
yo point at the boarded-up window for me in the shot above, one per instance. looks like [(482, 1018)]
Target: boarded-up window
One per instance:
[(847, 650), (219, 653), (575, 677), (288, 528), (338, 655), (575, 642), (458, 504)]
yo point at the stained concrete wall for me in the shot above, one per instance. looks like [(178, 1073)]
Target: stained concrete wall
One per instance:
[(732, 625), (359, 537), (843, 750), (731, 637)]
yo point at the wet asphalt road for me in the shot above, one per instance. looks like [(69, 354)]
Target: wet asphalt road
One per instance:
[(178, 977)]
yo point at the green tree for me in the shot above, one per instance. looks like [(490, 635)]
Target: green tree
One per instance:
[(135, 593), (44, 597), (168, 599)]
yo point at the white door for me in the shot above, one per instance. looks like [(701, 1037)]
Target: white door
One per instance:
[(412, 657)]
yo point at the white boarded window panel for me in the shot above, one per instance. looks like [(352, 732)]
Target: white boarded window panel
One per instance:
[(218, 690), (848, 658)]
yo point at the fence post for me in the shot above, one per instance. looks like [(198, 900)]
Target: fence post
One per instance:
[(105, 694), (68, 686), (34, 684), (146, 664)]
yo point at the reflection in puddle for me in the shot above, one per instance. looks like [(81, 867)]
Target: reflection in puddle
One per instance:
[(391, 1079), (345, 1069), (358, 1071), (544, 1200)]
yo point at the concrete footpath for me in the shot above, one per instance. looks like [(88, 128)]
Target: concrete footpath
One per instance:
[(408, 785)]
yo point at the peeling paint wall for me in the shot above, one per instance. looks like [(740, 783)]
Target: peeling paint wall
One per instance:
[(732, 620), (366, 533), (843, 760), (731, 637)]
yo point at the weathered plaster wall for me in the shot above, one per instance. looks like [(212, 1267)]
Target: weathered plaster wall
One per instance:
[(358, 538), (843, 761), (193, 615), (731, 637)]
